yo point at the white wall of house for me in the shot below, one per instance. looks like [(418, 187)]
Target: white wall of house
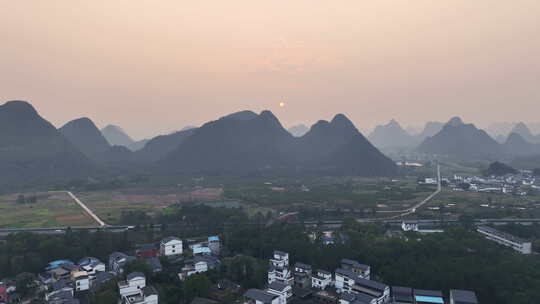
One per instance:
[(170, 248)]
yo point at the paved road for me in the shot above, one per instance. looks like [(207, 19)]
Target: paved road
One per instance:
[(90, 212), (413, 209)]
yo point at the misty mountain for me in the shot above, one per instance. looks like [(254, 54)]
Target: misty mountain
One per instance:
[(116, 155), (337, 147), (516, 145), (499, 169), (298, 130), (232, 145), (242, 115), (455, 121), (137, 145), (159, 146), (261, 144), (522, 129), (391, 135), (116, 136), (460, 140), (32, 149), (431, 128), (85, 136)]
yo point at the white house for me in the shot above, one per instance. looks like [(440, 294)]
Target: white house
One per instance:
[(133, 284), (91, 265), (321, 279), (170, 246), (194, 266), (284, 291), (279, 269), (81, 280)]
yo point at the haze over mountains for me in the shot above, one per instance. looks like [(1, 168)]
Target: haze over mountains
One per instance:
[(32, 149), (240, 143)]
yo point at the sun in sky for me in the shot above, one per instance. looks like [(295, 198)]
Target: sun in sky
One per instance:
[(281, 104)]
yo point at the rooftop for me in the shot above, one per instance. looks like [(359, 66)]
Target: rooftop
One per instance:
[(260, 295), (463, 296)]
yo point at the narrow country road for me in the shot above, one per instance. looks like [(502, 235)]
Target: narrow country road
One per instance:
[(90, 212), (422, 203)]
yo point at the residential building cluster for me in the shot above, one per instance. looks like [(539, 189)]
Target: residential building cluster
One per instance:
[(351, 283), (67, 282), (512, 184)]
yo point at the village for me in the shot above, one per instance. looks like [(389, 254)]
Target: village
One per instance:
[(68, 282)]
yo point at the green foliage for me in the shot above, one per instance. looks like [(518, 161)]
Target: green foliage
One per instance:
[(138, 265), (28, 252), (197, 285)]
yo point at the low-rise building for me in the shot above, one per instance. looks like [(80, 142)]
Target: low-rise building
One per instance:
[(463, 297), (362, 270), (321, 279), (356, 298), (147, 251), (257, 296), (284, 291), (422, 296), (91, 265), (81, 280), (506, 239), (214, 244), (402, 295), (133, 284), (170, 246), (117, 261), (302, 275)]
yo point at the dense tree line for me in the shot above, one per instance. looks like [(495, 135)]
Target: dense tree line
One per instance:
[(29, 252)]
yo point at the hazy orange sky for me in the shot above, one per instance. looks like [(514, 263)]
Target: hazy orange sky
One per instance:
[(155, 66)]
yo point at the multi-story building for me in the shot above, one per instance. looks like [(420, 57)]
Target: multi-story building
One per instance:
[(362, 270), (134, 290), (81, 280), (279, 269), (463, 297), (350, 282), (506, 239), (170, 246), (284, 291), (321, 279), (214, 244)]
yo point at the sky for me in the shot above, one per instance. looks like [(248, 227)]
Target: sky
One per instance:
[(155, 66)]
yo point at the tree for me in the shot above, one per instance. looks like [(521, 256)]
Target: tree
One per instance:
[(24, 281), (197, 285)]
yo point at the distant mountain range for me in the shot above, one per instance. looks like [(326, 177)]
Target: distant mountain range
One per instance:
[(32, 149), (462, 140), (239, 145), (242, 143), (391, 135), (116, 136), (298, 130)]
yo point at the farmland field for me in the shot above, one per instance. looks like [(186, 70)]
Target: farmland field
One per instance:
[(51, 209)]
